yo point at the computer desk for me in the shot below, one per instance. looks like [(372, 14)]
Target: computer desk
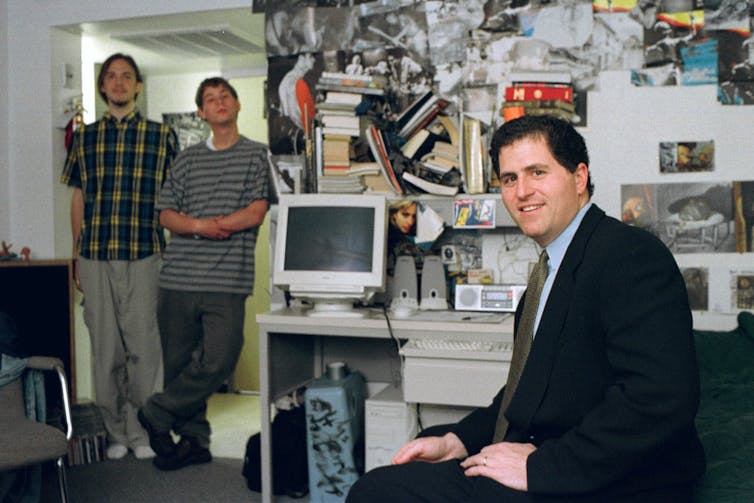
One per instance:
[(295, 348)]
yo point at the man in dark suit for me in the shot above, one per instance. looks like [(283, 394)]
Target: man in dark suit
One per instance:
[(604, 408)]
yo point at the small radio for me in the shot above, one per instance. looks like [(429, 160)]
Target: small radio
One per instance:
[(488, 297)]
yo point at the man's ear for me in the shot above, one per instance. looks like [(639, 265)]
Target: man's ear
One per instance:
[(582, 177), (201, 114)]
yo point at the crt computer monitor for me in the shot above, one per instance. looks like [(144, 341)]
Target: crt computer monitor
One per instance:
[(330, 249)]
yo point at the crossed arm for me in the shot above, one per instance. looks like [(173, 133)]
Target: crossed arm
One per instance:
[(218, 227)]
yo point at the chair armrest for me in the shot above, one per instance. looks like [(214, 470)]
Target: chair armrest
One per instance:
[(44, 362), (51, 363)]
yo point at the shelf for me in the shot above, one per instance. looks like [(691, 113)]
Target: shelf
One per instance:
[(444, 206)]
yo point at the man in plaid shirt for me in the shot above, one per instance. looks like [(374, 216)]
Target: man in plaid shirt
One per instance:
[(116, 167)]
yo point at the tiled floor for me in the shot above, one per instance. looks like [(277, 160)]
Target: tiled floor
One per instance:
[(234, 418)]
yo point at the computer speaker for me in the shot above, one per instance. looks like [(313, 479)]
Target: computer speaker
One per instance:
[(433, 289), (403, 287)]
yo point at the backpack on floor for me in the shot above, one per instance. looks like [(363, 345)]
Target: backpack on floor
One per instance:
[(290, 474)]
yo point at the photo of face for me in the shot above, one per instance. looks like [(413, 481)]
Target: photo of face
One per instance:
[(403, 217)]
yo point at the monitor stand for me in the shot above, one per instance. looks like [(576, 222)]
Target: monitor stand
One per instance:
[(334, 308)]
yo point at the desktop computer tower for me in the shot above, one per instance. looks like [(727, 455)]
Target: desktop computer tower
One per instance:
[(389, 423), (334, 433)]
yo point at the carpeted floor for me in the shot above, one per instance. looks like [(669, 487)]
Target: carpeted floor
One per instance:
[(233, 418), (130, 480)]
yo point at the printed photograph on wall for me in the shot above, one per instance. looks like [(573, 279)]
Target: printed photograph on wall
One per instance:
[(687, 156), (290, 101), (697, 286), (744, 291), (736, 66), (687, 217), (188, 126), (743, 207)]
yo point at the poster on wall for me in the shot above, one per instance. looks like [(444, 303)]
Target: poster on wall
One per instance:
[(697, 286), (687, 156), (290, 99), (687, 217), (188, 126), (742, 290)]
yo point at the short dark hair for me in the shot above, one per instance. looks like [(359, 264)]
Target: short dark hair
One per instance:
[(212, 82), (565, 143), (106, 65)]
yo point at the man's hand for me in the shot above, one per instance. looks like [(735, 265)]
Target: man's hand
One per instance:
[(75, 272), (431, 449), (211, 228), (504, 462)]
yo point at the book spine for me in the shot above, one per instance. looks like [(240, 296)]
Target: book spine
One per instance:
[(351, 76), (399, 187), (537, 92), (377, 154), (473, 156), (349, 82), (430, 187), (561, 104), (350, 89)]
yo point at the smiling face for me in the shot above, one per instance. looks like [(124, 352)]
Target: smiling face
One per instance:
[(541, 195), (119, 84)]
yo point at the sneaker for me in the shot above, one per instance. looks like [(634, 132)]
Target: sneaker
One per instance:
[(160, 441), (116, 451), (187, 452), (143, 452)]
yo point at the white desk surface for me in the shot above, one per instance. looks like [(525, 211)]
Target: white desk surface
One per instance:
[(447, 324)]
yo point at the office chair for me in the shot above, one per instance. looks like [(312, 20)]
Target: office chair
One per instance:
[(24, 442)]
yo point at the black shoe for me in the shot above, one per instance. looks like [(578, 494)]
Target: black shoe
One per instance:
[(160, 441), (187, 452)]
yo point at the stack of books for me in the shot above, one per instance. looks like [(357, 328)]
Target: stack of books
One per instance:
[(340, 184), (89, 436), (381, 153), (356, 84), (442, 158), (420, 114), (336, 154), (539, 93)]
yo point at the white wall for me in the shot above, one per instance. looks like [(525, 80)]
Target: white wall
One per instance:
[(4, 174), (625, 126)]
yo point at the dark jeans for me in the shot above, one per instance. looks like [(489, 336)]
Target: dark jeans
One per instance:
[(202, 337)]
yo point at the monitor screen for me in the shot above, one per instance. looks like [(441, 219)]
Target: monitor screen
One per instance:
[(345, 245), (330, 249)]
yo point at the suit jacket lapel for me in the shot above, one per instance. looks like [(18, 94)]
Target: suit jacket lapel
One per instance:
[(536, 374)]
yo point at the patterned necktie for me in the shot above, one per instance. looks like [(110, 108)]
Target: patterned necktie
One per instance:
[(522, 344)]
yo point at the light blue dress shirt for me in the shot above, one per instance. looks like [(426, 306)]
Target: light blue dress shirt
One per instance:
[(556, 251)]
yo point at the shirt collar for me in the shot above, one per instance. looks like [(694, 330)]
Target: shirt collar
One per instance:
[(132, 116), (557, 249)]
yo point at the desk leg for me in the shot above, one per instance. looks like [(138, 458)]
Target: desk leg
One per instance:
[(264, 412)]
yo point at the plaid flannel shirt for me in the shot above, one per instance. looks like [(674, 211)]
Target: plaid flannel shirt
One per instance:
[(120, 167)]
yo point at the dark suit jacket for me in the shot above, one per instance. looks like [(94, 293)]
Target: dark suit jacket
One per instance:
[(611, 388)]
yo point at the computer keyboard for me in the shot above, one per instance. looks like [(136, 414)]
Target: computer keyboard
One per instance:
[(454, 372), (458, 349)]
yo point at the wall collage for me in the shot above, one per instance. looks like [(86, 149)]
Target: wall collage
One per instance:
[(468, 51)]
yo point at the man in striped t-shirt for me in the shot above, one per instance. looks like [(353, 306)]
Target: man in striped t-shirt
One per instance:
[(116, 167), (213, 202)]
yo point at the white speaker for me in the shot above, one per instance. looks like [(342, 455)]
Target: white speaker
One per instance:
[(434, 294), (403, 287)]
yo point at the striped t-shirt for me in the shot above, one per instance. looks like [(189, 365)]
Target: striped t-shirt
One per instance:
[(206, 183)]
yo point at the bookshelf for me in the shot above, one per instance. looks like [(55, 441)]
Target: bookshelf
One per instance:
[(38, 296)]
